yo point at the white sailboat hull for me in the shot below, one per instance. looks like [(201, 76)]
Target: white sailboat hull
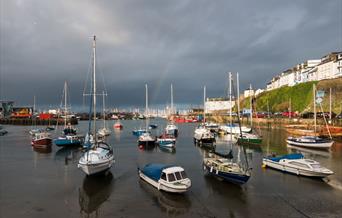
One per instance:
[(323, 145), (95, 168)]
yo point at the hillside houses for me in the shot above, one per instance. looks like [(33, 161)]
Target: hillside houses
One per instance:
[(328, 67)]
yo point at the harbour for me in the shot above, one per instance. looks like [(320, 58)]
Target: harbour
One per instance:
[(32, 181)]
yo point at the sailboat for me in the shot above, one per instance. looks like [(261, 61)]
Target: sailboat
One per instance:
[(222, 166), (171, 128), (99, 156), (104, 131), (69, 137), (203, 135), (312, 141), (146, 139), (249, 138)]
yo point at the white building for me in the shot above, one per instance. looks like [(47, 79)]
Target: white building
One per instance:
[(328, 67), (218, 104), (248, 92)]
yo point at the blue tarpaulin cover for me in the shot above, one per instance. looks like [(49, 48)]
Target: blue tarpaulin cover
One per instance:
[(288, 156), (154, 170)]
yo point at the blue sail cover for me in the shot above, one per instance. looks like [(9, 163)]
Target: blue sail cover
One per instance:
[(288, 156), (154, 170)]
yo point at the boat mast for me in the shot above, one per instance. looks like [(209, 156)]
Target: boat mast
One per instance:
[(238, 94), (65, 103), (94, 85), (204, 97), (329, 106), (251, 104), (104, 112), (314, 103), (230, 107), (146, 105), (171, 100)]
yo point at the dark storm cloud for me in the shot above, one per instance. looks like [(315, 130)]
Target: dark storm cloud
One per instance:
[(187, 43)]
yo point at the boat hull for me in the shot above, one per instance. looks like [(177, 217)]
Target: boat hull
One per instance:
[(41, 143), (288, 169), (160, 186), (249, 141), (96, 168), (234, 178), (323, 145), (67, 142)]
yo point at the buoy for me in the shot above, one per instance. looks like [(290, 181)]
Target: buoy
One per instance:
[(263, 165)]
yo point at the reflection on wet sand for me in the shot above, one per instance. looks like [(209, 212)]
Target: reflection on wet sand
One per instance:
[(171, 204), (94, 192), (68, 154), (45, 150), (167, 150)]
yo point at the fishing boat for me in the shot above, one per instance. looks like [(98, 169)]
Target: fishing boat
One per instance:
[(104, 131), (310, 142), (99, 155), (117, 125), (313, 141), (166, 140), (165, 177), (69, 137), (41, 140), (297, 164), (222, 166)]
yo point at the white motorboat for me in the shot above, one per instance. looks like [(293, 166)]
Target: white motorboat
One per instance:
[(165, 177), (99, 156), (167, 141), (202, 135), (171, 129), (310, 142), (297, 164)]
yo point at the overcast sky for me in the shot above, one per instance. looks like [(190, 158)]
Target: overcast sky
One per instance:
[(190, 43)]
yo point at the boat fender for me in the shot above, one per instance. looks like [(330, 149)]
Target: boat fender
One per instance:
[(297, 172), (158, 186), (263, 165), (211, 169), (216, 172)]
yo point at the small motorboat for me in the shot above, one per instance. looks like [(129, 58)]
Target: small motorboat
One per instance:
[(222, 167), (35, 131), (41, 140), (171, 129), (234, 129), (165, 177), (139, 132), (49, 128), (249, 138), (117, 125), (202, 135), (166, 140), (69, 140), (310, 142), (3, 132), (146, 139), (297, 164)]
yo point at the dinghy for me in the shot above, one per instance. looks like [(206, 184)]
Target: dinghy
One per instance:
[(165, 177), (297, 164), (310, 142)]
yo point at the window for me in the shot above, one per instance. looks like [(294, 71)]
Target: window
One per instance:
[(299, 164), (178, 175), (184, 175), (163, 176), (171, 177), (316, 166)]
